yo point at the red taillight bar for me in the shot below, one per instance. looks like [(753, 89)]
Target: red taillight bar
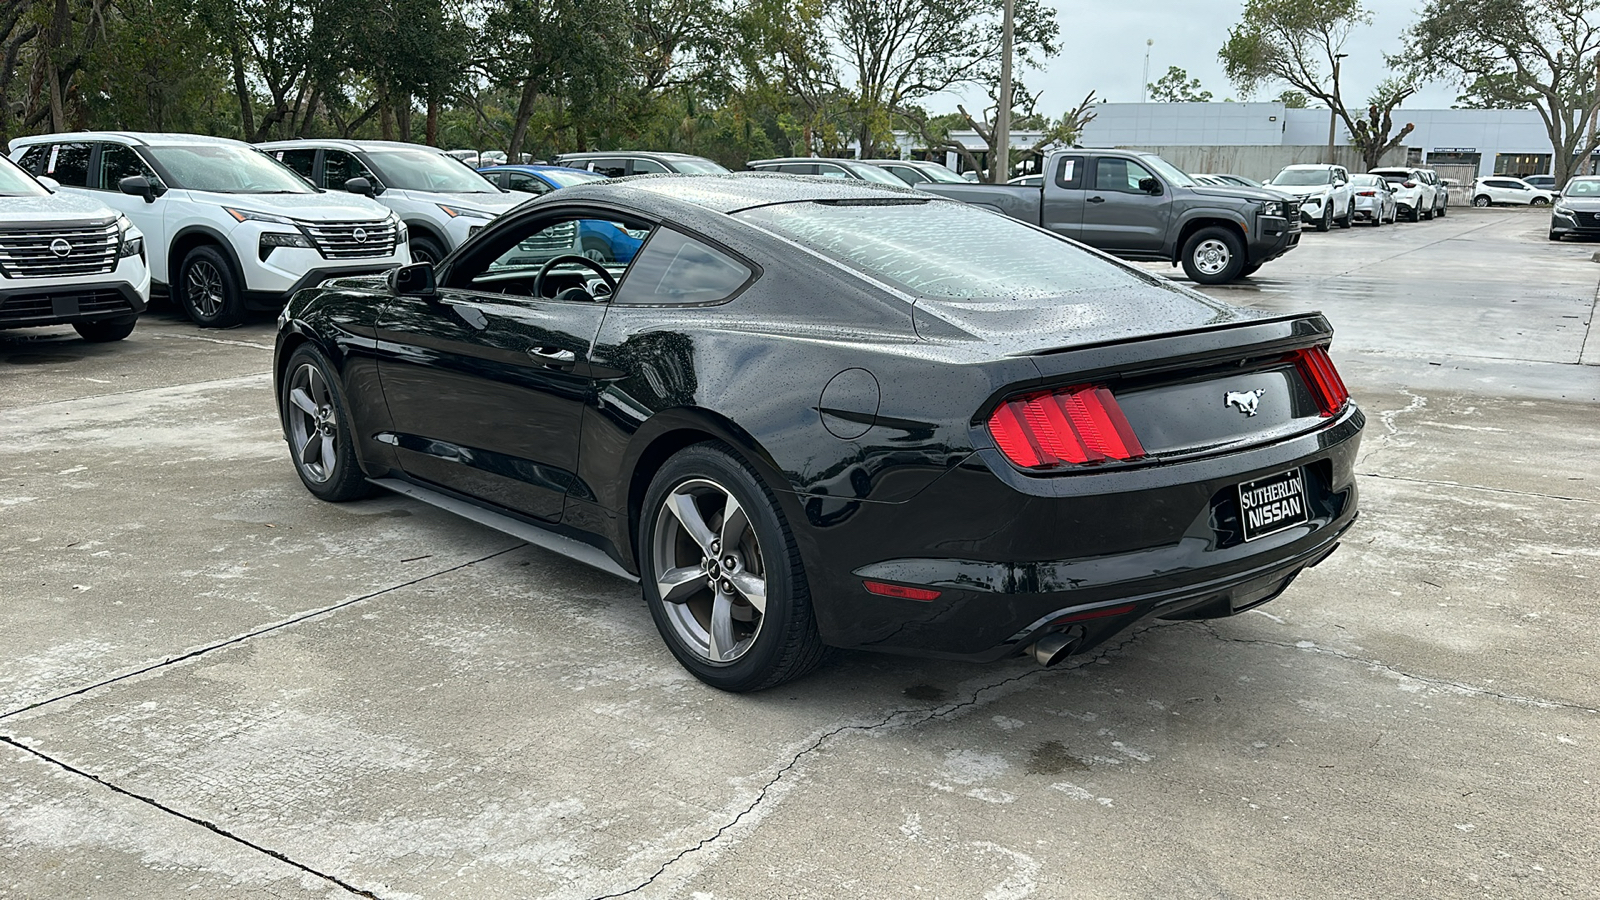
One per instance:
[(1322, 378), (1071, 426), (885, 589)]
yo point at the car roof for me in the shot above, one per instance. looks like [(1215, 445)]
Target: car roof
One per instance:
[(1313, 166), (138, 138), (646, 154), (738, 191), (336, 144), (806, 159), (532, 167)]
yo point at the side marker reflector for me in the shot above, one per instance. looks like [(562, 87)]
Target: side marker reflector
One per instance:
[(884, 589)]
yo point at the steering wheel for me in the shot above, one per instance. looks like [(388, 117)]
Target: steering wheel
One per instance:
[(586, 262)]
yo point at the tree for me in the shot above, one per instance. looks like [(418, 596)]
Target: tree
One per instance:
[(1292, 99), (1514, 51), (1371, 135), (1495, 91), (935, 132), (1177, 87), (1294, 42)]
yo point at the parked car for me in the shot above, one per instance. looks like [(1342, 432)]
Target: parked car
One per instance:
[(226, 228), (440, 202), (67, 259), (1441, 192), (1375, 201), (1543, 183), (1324, 192), (1508, 191), (621, 163), (849, 169), (1235, 180), (936, 430), (597, 239), (1577, 211), (1414, 195), (915, 171), (1139, 206)]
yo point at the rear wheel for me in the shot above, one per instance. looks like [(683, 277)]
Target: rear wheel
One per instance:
[(1539, 201), (1442, 207), (722, 574), (1481, 201), (1326, 222), (105, 332), (208, 289), (1349, 215), (316, 421), (1213, 256)]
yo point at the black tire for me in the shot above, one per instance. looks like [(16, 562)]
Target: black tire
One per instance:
[(426, 249), (105, 332), (1208, 247), (1427, 215), (1349, 215), (1249, 269), (340, 478), (208, 289), (597, 249), (1326, 222), (1416, 214), (1440, 211), (1555, 237), (1539, 201), (785, 645), (1481, 201)]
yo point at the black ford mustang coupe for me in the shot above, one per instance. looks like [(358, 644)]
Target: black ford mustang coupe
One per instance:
[(806, 413)]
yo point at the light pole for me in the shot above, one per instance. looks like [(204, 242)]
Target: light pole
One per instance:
[(1144, 83), (1332, 115), (1000, 166)]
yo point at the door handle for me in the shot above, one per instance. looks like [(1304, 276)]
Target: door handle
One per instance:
[(1097, 199), (553, 355)]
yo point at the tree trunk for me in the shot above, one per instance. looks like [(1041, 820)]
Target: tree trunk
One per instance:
[(431, 129), (386, 118), (241, 89), (519, 129), (402, 116)]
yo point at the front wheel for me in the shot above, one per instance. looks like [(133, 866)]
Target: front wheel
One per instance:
[(1440, 212), (1349, 215), (722, 575), (316, 421), (426, 250), (1213, 256), (1480, 201), (1326, 222), (1554, 236), (104, 332), (209, 289)]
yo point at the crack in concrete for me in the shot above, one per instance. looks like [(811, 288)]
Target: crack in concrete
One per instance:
[(1477, 487), (895, 719), (193, 820), (1387, 418), (1456, 686), (1583, 348), (239, 638)]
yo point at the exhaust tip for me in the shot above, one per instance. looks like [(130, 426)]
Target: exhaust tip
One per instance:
[(1053, 648)]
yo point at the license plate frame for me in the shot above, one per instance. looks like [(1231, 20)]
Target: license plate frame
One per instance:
[(1272, 504)]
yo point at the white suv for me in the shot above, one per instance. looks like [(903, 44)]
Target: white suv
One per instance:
[(1324, 192), (441, 201), (1414, 192), (67, 260), (1505, 189), (226, 228)]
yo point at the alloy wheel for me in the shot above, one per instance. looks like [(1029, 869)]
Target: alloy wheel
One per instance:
[(313, 423), (709, 570), (204, 289), (1212, 256)]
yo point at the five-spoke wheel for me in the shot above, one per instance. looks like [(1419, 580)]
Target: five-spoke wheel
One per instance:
[(709, 570), (314, 422)]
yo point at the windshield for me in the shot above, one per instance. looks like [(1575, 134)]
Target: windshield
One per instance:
[(420, 170), (1302, 177), (697, 166), (873, 173), (16, 183), (943, 249), (1583, 187), (939, 173), (226, 169), (569, 177), (1168, 171)]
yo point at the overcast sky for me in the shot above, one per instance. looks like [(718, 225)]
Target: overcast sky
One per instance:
[(1104, 43)]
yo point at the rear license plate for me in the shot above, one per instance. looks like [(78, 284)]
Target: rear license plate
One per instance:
[(1269, 505)]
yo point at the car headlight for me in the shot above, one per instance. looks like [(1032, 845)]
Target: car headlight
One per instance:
[(1272, 208), (1563, 208), (250, 215), (459, 212), (401, 232), (128, 244), (272, 240)]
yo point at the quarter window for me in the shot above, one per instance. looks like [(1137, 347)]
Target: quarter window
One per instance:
[(1069, 173), (610, 168), (676, 269), (34, 159), (118, 162), (69, 164)]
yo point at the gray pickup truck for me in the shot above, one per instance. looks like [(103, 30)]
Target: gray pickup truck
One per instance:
[(1139, 206)]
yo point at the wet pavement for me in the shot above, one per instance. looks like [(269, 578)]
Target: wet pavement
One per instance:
[(213, 685)]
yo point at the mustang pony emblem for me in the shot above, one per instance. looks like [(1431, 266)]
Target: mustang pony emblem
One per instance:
[(1245, 400)]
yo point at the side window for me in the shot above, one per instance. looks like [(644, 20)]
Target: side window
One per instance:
[(34, 158), (1069, 173), (798, 169), (118, 162), (525, 184), (908, 174), (648, 167), (340, 167), (610, 168), (69, 164), (1119, 175), (828, 170), (300, 160), (511, 270), (676, 269)]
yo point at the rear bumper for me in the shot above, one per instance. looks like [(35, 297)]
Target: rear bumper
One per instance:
[(1012, 560)]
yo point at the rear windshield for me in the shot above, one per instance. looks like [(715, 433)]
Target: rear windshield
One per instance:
[(943, 249)]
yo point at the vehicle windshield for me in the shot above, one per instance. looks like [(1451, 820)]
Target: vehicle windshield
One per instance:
[(568, 178), (1583, 187), (421, 170), (16, 183), (227, 169), (1302, 177), (694, 166), (1168, 171), (873, 173), (943, 249), (939, 173)]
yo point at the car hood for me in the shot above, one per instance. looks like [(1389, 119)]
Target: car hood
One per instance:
[(331, 206), (492, 203), (57, 209), (1303, 190), (1240, 192), (1585, 204), (1025, 326)]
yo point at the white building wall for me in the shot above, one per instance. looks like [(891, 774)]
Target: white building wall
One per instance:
[(1188, 124)]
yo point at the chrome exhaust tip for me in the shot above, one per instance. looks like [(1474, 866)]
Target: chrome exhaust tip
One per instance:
[(1053, 648)]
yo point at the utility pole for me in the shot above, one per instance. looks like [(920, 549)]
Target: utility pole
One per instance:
[(1332, 114), (1144, 83), (1000, 165)]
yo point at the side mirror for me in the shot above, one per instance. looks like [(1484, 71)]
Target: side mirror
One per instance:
[(1150, 185), (415, 280), (140, 186), (362, 186), (49, 182)]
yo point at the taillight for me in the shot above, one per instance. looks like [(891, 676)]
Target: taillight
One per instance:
[(1366, 193), (1408, 184), (1323, 379), (1070, 426)]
